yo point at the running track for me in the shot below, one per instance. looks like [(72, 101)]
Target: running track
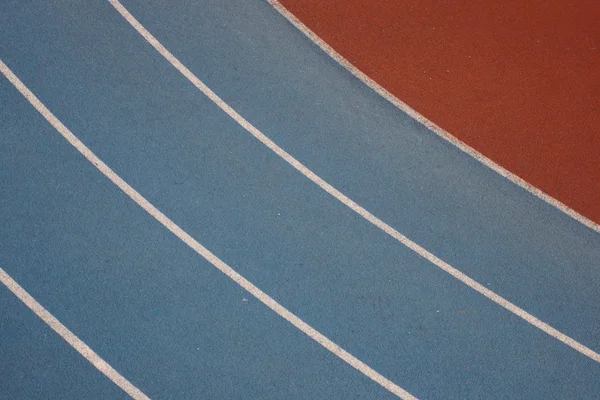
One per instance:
[(152, 304)]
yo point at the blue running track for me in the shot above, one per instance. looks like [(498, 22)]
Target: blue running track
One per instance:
[(175, 326)]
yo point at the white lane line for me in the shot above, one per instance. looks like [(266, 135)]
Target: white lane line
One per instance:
[(70, 337), (429, 124), (346, 200), (196, 246)]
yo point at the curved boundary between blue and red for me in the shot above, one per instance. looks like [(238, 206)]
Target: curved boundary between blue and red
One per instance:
[(428, 123)]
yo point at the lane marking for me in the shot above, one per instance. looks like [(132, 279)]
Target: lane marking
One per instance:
[(197, 247), (429, 124), (70, 337), (346, 200)]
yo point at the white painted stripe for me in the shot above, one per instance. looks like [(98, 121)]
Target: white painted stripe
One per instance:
[(429, 124), (196, 246), (346, 200), (71, 338)]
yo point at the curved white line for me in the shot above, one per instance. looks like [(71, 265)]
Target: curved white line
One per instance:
[(196, 246), (346, 200), (70, 337), (429, 124)]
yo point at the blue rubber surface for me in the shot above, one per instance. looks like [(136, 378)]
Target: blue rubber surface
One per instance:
[(176, 327)]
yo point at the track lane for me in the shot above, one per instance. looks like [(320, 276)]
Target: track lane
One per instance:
[(153, 309), (121, 150), (199, 249)]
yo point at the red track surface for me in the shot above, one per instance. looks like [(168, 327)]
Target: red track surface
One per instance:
[(518, 81)]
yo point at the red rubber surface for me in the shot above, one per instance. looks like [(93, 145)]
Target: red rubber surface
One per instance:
[(518, 81)]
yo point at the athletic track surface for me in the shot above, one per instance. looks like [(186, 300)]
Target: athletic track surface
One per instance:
[(517, 81), (201, 199)]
